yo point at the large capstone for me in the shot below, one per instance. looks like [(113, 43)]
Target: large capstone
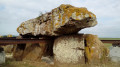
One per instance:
[(65, 19)]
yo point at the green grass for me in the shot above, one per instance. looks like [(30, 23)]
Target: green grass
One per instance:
[(109, 44), (109, 38)]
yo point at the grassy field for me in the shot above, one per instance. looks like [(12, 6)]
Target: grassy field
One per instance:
[(109, 44), (109, 38)]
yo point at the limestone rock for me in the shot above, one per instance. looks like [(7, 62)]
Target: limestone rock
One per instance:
[(69, 49), (95, 50), (65, 19), (2, 56)]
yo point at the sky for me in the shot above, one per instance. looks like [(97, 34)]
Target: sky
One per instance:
[(14, 12)]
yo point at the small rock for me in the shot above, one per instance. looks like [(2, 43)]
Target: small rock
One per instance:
[(47, 59)]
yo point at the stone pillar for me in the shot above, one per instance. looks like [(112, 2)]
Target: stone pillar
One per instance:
[(69, 49), (2, 55)]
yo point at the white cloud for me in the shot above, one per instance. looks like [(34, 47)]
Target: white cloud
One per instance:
[(13, 12)]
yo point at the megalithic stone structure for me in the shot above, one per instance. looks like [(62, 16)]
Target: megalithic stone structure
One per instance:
[(65, 19)]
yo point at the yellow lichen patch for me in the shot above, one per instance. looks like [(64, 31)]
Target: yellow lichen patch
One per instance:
[(56, 24), (87, 52), (69, 10)]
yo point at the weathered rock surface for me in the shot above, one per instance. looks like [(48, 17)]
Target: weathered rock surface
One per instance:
[(95, 50), (31, 52), (69, 49), (2, 55), (65, 19)]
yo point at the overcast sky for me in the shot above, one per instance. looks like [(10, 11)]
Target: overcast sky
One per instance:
[(14, 12)]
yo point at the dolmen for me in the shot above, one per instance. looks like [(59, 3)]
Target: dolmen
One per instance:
[(62, 25)]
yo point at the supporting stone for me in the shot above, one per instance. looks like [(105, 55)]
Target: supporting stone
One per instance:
[(95, 51), (69, 49), (2, 55), (33, 52)]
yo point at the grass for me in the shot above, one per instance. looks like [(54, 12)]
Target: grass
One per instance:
[(109, 44), (13, 63), (109, 38)]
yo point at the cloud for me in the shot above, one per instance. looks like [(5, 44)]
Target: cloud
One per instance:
[(14, 12)]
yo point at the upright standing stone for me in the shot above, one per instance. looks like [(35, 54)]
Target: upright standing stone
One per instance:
[(2, 55), (69, 49), (95, 50)]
